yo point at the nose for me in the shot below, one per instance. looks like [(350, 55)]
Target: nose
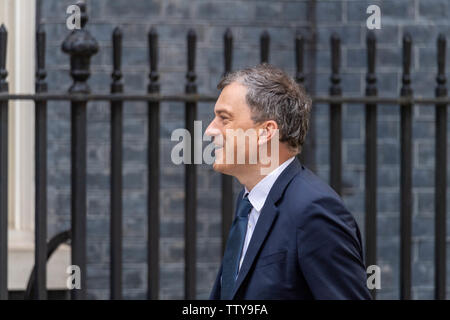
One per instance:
[(212, 130)]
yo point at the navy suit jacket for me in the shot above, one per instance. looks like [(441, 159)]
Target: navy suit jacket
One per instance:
[(306, 245)]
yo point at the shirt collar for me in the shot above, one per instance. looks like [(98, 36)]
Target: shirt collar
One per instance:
[(259, 193)]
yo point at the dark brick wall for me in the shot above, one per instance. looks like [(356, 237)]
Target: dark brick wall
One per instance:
[(424, 19)]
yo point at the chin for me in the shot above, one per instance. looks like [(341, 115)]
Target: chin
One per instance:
[(222, 168)]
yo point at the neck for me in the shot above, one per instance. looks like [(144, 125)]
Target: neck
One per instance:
[(251, 174)]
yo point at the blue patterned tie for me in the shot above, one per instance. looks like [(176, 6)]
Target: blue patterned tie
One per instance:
[(234, 247)]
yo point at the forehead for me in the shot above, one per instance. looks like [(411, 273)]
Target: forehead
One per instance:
[(232, 98)]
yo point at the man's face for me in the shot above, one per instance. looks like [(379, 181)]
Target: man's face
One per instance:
[(231, 114)]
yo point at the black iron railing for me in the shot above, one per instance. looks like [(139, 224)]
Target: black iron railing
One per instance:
[(81, 46)]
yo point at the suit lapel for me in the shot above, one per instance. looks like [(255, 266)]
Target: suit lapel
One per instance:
[(265, 221), (269, 212)]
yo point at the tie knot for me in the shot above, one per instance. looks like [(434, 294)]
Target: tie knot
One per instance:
[(244, 207)]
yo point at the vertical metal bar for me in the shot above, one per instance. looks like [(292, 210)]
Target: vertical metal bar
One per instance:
[(265, 43), (190, 176), (335, 117), (80, 45), (116, 170), (406, 175), (153, 170), (227, 181), (299, 54), (78, 187), (308, 154), (3, 168), (38, 13), (371, 158), (228, 50), (440, 175), (300, 79), (40, 262)]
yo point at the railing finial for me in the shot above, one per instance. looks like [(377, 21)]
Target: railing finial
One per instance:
[(3, 51), (116, 75), (299, 54), (371, 79), (228, 50), (80, 45), (335, 79), (441, 89), (153, 60), (265, 43), (41, 74), (406, 77), (191, 86)]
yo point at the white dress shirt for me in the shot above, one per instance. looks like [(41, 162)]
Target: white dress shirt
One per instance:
[(257, 197)]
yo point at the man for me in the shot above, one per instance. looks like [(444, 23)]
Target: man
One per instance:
[(292, 237)]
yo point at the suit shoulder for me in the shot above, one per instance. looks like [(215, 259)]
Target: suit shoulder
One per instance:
[(308, 196)]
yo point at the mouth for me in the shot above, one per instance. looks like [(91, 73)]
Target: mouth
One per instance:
[(217, 145), (217, 151)]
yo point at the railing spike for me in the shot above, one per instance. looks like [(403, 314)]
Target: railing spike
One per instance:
[(153, 59), (265, 44), (117, 57), (335, 43), (228, 50), (190, 75), (441, 80), (406, 77), (3, 52), (299, 56)]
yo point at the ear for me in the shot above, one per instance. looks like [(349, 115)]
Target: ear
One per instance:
[(267, 131)]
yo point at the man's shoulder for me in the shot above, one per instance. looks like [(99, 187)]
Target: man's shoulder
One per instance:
[(308, 195), (307, 186)]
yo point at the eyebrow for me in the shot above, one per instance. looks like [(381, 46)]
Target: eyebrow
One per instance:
[(219, 110)]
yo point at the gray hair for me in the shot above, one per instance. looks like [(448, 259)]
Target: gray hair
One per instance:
[(274, 95)]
